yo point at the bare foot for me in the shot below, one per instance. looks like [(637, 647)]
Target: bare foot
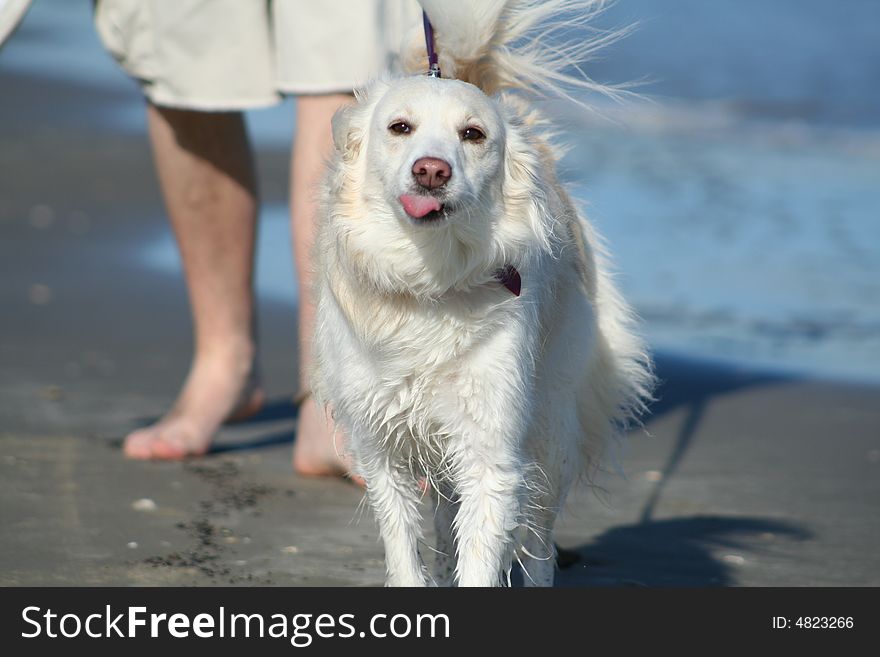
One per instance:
[(218, 388), (318, 450)]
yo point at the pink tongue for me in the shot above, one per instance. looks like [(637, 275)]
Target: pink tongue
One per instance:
[(419, 206)]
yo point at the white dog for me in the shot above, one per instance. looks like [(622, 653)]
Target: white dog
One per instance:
[(468, 332)]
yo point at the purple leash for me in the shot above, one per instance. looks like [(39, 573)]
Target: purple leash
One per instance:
[(433, 65)]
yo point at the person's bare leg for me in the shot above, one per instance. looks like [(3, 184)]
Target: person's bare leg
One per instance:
[(317, 450), (207, 177)]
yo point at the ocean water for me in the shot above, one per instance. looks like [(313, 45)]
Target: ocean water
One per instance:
[(744, 244), (741, 201)]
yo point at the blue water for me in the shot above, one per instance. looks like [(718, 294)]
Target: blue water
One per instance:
[(742, 206), (816, 60)]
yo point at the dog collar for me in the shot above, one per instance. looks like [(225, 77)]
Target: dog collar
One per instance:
[(509, 277)]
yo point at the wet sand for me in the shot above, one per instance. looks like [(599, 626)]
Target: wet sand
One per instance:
[(745, 479)]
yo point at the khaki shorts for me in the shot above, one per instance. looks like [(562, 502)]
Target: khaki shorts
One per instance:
[(238, 54)]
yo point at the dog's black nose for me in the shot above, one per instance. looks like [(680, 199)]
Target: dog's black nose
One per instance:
[(432, 172)]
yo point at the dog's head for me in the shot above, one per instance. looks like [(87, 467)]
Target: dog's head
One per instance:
[(435, 184), (436, 146)]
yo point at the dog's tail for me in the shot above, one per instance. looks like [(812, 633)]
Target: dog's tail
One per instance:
[(535, 46)]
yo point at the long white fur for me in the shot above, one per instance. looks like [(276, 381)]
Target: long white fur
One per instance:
[(431, 367)]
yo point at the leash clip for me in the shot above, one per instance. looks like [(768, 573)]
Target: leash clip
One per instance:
[(433, 64)]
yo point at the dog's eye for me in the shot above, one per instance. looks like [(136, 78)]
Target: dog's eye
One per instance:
[(472, 134), (400, 128)]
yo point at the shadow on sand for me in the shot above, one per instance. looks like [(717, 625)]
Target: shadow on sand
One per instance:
[(671, 552), (691, 386), (281, 409), (278, 410), (678, 551)]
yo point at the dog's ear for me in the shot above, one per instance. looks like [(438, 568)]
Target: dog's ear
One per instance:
[(524, 193), (346, 137)]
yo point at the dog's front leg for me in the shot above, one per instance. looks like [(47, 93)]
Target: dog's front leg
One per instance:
[(489, 484), (444, 515), (394, 496), (537, 554)]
